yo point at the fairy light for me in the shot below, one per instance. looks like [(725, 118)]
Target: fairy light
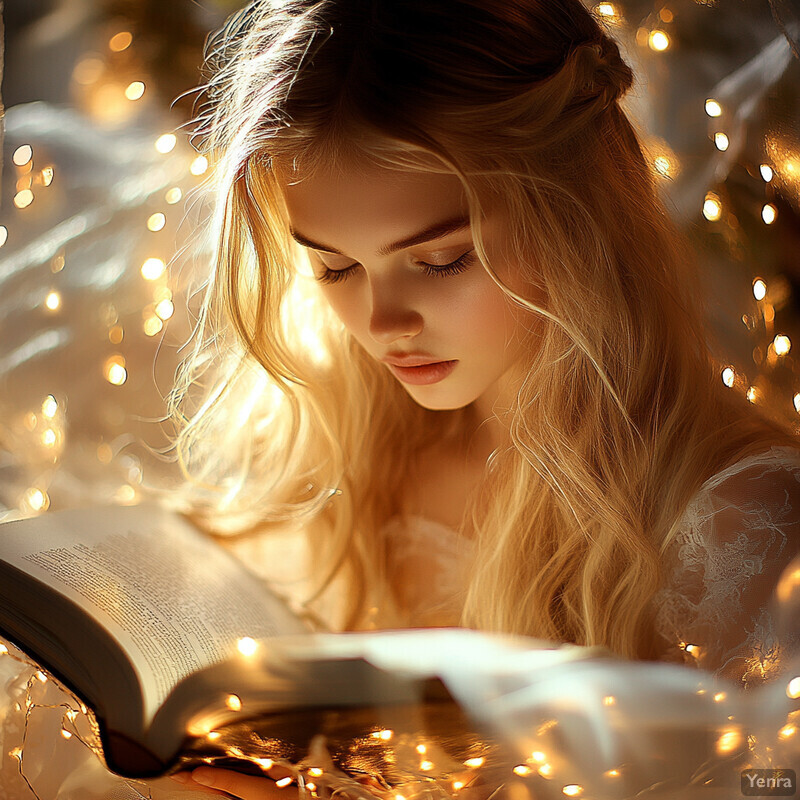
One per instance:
[(787, 731), (66, 734), (41, 677), (165, 309), (47, 175), (721, 141), (713, 108), (522, 770), (49, 438), (247, 646), (609, 700), (166, 143), (605, 10), (458, 785), (769, 213), (766, 172), (156, 222), (23, 199), (545, 770), (233, 702), (173, 195), (315, 772), (52, 301), (666, 15), (612, 773), (36, 499), (782, 344), (114, 370), (22, 155), (426, 766), (49, 406), (116, 334), (135, 91), (125, 495), (16, 752), (729, 741), (284, 782), (752, 394), (88, 71), (153, 269), (3, 650), (538, 756), (474, 763), (57, 264), (120, 41), (573, 790), (719, 697), (264, 763), (199, 166), (658, 40), (759, 289), (3, 235), (728, 378), (662, 165), (712, 207)]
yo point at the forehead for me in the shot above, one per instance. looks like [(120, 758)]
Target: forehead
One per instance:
[(344, 198)]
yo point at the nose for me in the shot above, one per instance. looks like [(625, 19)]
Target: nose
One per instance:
[(392, 317)]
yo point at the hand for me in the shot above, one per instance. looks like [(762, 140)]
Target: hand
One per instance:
[(226, 783)]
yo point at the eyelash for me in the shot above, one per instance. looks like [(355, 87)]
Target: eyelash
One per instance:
[(461, 264)]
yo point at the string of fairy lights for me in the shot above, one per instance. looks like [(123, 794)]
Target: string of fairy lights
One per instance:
[(111, 87)]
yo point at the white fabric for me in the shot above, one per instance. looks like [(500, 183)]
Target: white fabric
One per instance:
[(737, 536)]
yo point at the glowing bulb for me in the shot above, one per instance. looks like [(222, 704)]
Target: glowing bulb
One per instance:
[(712, 208), (662, 165), (793, 688), (47, 176), (166, 143), (116, 334), (572, 790), (49, 406), (782, 344), (721, 141), (135, 90), (613, 773), (53, 301), (49, 437), (16, 753), (458, 785), (22, 155), (787, 731), (766, 172), (315, 772), (156, 222), (474, 763), (759, 289), (796, 401), (606, 10), (41, 677), (421, 749), (609, 700), (120, 41), (114, 370), (752, 394), (658, 41), (713, 108), (538, 756), (385, 735), (283, 781), (3, 235), (66, 734), (173, 195), (23, 199), (545, 770), (199, 165), (153, 269), (719, 697), (233, 702), (3, 650), (729, 741), (36, 498), (247, 646), (426, 765), (152, 326), (769, 213), (522, 770)]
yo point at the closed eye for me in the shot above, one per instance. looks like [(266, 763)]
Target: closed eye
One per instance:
[(461, 264)]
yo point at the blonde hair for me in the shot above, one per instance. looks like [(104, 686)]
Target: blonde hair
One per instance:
[(620, 414)]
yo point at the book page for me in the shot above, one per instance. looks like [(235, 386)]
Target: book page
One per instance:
[(173, 599)]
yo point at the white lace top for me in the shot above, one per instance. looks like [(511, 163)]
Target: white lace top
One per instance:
[(737, 536)]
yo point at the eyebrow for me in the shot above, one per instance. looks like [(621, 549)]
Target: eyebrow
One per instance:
[(436, 231)]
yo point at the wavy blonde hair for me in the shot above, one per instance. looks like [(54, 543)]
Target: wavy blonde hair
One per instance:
[(620, 414)]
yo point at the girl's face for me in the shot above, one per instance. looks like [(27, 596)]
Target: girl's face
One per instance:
[(394, 256)]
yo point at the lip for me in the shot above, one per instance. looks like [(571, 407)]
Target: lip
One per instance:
[(424, 374), (411, 359)]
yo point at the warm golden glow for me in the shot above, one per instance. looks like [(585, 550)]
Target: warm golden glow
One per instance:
[(759, 289), (782, 344), (247, 646), (662, 166), (713, 108), (384, 734), (36, 499), (153, 269), (474, 763), (120, 41), (199, 166), (47, 175), (538, 756), (315, 772), (766, 172), (104, 453), (22, 155), (609, 700), (173, 195), (135, 90), (458, 785), (545, 770), (522, 770), (66, 734), (214, 735), (265, 763), (572, 790), (721, 141), (114, 370), (426, 765), (658, 41), (88, 71), (284, 782), (116, 334), (166, 143), (49, 438), (793, 687), (233, 702), (156, 222), (769, 213), (712, 207), (152, 326), (787, 731), (605, 10), (53, 301), (49, 406), (165, 309), (23, 199), (3, 235), (612, 773), (728, 378), (57, 264), (421, 749), (752, 394)]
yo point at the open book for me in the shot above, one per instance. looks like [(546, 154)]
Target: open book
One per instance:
[(167, 637)]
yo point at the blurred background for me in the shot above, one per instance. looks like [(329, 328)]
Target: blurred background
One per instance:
[(98, 175)]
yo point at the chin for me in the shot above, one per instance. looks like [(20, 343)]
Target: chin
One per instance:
[(441, 403)]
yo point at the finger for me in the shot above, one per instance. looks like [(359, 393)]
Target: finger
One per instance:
[(245, 787), (185, 779)]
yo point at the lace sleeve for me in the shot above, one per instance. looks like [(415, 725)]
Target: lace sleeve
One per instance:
[(739, 533)]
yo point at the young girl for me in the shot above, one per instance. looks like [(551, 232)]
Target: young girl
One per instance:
[(461, 342)]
